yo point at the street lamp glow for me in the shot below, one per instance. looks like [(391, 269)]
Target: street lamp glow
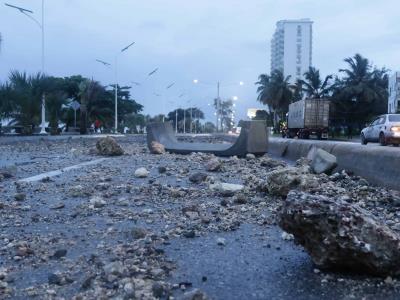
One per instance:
[(195, 81), (241, 83), (235, 98)]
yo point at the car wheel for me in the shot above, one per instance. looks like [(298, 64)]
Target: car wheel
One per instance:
[(363, 140), (382, 139)]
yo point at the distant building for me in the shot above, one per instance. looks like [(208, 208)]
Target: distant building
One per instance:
[(394, 94), (291, 48)]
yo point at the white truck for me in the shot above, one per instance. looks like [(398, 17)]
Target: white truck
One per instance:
[(308, 118)]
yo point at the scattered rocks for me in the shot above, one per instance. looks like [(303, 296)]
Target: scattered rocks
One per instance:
[(157, 148), (322, 161), (114, 268), (141, 173), (108, 146), (340, 235)]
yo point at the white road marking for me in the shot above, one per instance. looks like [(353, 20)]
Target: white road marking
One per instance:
[(61, 171)]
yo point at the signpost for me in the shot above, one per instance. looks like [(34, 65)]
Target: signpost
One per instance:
[(75, 106)]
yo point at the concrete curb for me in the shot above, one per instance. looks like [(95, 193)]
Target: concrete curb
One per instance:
[(379, 165)]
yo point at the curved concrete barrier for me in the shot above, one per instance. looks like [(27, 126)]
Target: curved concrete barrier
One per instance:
[(253, 138), (379, 165)]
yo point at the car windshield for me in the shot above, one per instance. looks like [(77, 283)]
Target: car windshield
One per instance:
[(394, 118)]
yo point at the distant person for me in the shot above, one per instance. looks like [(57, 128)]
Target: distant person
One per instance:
[(97, 125)]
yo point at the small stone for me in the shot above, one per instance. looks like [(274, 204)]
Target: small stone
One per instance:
[(162, 169), (224, 187), (59, 205), (250, 156), (189, 234), (97, 202), (221, 241), (240, 199), (197, 177), (287, 236), (141, 173), (20, 196), (213, 165), (138, 233), (59, 253), (54, 279), (114, 268)]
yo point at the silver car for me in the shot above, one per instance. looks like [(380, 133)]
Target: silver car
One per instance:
[(384, 129)]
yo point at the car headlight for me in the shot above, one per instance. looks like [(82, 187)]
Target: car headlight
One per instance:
[(395, 129)]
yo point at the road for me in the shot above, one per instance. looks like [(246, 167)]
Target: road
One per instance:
[(95, 230)]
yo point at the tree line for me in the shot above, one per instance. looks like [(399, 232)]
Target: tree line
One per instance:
[(357, 94), (21, 96)]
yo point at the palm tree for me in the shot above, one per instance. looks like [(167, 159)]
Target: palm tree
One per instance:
[(362, 92), (89, 90), (313, 86), (26, 98), (262, 89)]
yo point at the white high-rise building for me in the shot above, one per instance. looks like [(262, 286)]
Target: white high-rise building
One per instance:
[(394, 94), (291, 48)]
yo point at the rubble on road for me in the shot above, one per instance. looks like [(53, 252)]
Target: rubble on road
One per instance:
[(108, 146), (322, 161), (157, 148), (340, 235)]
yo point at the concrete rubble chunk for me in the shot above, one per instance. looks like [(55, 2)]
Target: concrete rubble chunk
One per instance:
[(108, 146), (280, 181), (8, 171), (322, 161), (226, 187), (340, 235), (157, 148)]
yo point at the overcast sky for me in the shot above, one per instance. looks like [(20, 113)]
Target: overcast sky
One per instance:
[(211, 40)]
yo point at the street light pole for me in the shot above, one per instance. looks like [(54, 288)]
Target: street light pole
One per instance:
[(116, 83), (41, 26)]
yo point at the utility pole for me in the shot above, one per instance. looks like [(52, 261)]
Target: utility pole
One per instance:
[(191, 119), (176, 121), (184, 120), (218, 107)]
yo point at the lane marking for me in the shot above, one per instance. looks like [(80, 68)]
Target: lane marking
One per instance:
[(61, 171)]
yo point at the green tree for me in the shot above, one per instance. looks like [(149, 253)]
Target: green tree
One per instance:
[(313, 86), (361, 93), (88, 92), (276, 92)]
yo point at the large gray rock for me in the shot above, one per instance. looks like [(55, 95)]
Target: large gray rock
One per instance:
[(340, 235), (322, 161), (108, 146), (281, 181), (8, 171)]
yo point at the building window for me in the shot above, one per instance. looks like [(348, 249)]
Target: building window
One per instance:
[(298, 30), (298, 71)]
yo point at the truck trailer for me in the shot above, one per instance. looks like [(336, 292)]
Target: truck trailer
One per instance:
[(307, 118)]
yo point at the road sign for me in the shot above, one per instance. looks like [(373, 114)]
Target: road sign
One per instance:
[(75, 105)]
